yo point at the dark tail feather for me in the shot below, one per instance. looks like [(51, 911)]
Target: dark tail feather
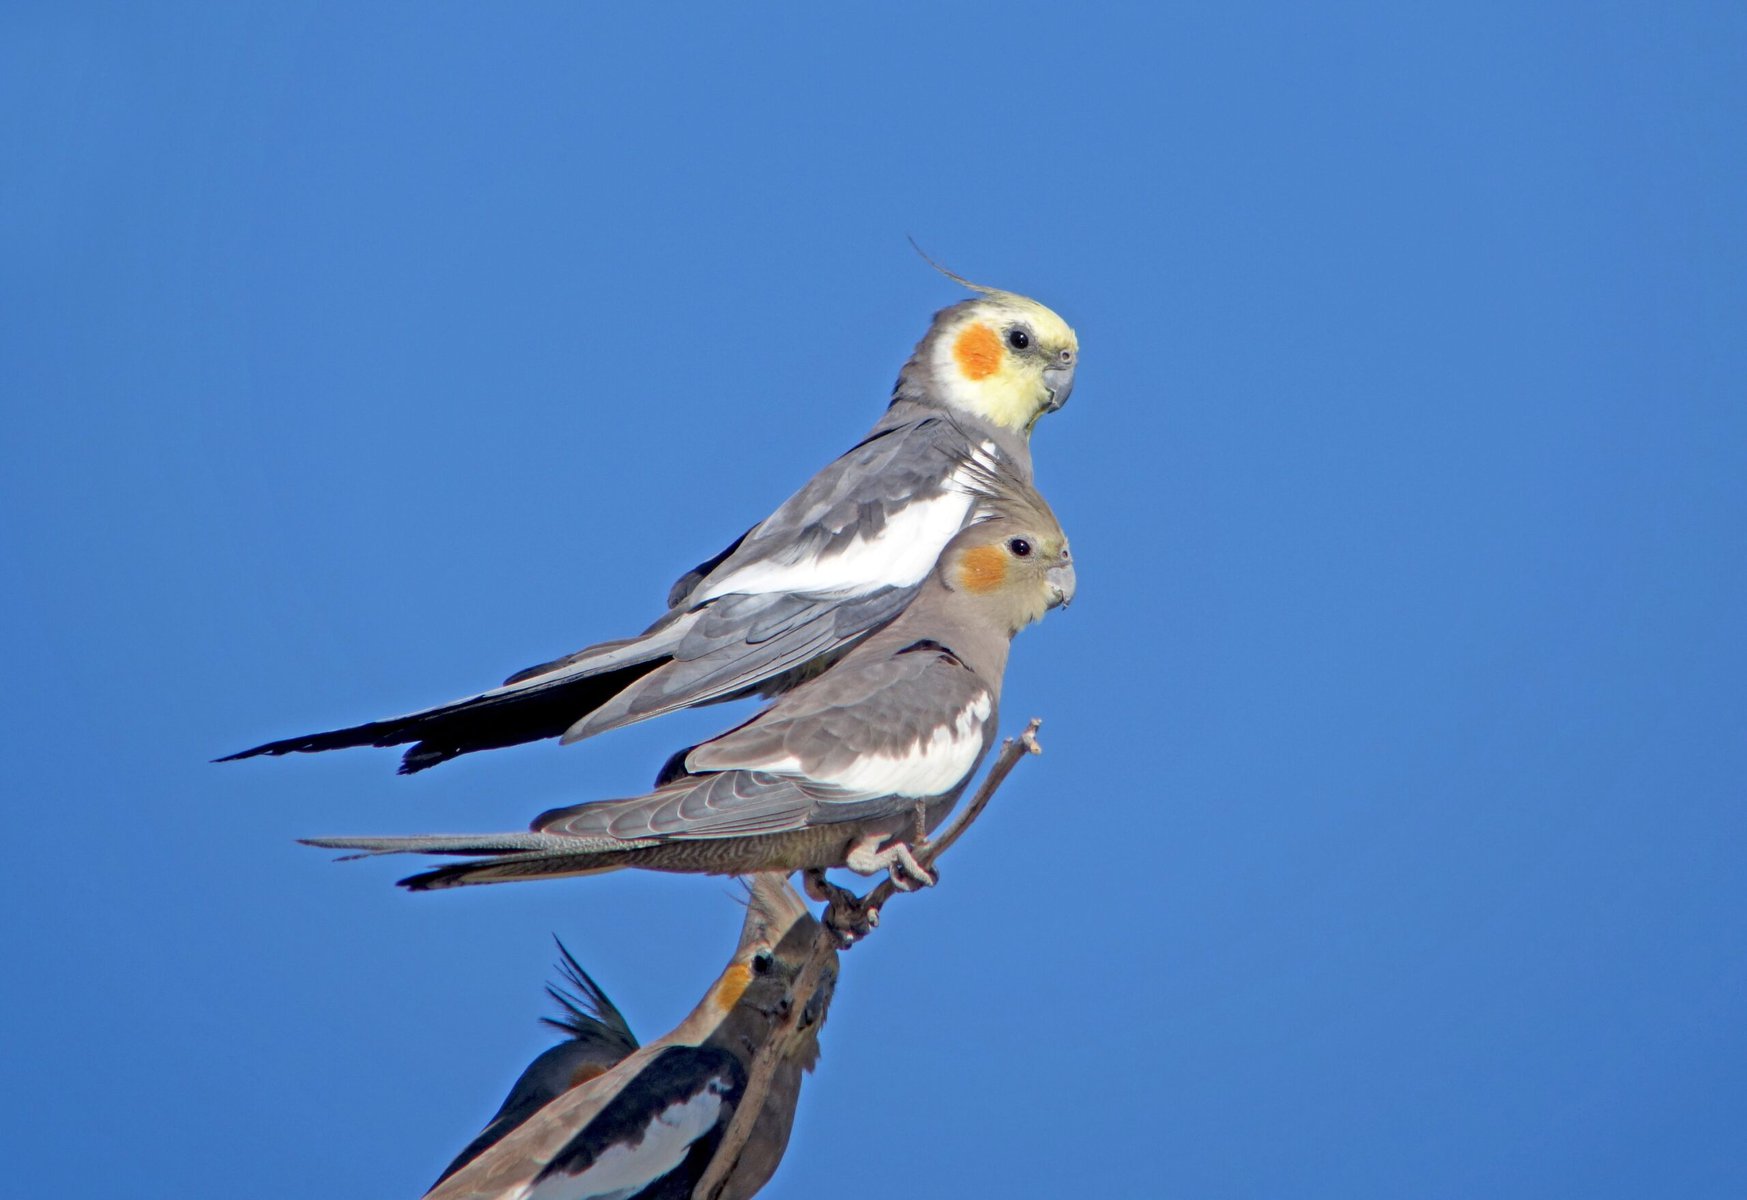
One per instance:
[(510, 867), (478, 723)]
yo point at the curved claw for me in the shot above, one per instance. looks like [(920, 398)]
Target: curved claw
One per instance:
[(866, 858), (908, 874)]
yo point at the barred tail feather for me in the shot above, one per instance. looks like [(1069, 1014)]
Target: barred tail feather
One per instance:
[(500, 857), (509, 868), (440, 843)]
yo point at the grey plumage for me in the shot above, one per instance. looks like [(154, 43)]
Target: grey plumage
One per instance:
[(833, 563)]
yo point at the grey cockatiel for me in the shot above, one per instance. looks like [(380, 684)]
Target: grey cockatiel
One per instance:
[(837, 560), (649, 1126), (840, 771)]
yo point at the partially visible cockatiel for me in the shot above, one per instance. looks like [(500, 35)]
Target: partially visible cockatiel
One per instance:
[(600, 1038), (649, 1125)]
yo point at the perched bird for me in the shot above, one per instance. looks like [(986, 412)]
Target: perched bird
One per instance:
[(600, 1039), (847, 769), (649, 1126), (838, 559)]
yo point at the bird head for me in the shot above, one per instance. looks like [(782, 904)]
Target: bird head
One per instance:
[(775, 940), (1014, 564), (998, 356)]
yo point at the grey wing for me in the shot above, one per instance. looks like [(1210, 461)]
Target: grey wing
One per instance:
[(507, 1168), (834, 528), (657, 1132), (836, 561), (742, 643), (549, 1076), (914, 723), (726, 805)]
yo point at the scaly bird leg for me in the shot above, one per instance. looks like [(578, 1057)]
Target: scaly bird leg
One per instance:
[(866, 858)]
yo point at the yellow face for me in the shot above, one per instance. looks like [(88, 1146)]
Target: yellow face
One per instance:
[(1006, 359)]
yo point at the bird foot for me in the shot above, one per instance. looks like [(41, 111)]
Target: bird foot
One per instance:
[(850, 918), (866, 858), (847, 915)]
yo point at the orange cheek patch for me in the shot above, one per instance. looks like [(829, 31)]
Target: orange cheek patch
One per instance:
[(978, 351), (982, 569), (732, 986)]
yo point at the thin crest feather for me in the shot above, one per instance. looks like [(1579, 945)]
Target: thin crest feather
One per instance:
[(586, 1007), (772, 907), (1002, 493), (953, 275)]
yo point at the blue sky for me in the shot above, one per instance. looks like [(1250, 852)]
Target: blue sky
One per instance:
[(1389, 840)]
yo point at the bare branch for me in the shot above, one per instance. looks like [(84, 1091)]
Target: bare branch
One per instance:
[(847, 918), (854, 917), (764, 1064), (1012, 750)]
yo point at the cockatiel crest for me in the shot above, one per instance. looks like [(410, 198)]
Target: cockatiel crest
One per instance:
[(1015, 557)]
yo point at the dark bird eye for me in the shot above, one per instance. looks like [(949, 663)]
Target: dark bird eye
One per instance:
[(1020, 547), (761, 962), (1018, 339)]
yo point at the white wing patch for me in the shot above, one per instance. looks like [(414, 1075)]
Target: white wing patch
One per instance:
[(788, 764), (899, 555), (624, 1170), (927, 767)]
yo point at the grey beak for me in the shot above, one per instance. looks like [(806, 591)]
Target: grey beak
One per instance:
[(815, 1009), (1061, 582), (1060, 382)]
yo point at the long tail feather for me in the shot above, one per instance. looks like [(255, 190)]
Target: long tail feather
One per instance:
[(529, 855), (449, 843), (510, 867), (527, 712)]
